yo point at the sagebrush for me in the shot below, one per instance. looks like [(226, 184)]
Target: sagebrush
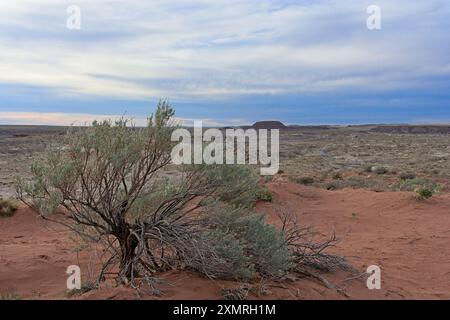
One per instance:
[(110, 180)]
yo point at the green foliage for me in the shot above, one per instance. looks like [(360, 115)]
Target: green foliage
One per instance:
[(231, 252), (251, 243), (265, 195), (99, 164), (238, 184), (8, 207), (424, 193)]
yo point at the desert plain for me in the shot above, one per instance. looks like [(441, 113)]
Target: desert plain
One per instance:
[(359, 182)]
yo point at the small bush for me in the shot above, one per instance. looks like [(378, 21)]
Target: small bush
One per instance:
[(379, 170), (424, 193), (231, 252), (85, 287), (305, 180), (265, 195), (238, 184), (245, 242), (337, 176), (407, 176), (334, 185), (235, 294), (8, 207)]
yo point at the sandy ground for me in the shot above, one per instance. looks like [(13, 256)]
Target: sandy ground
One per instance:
[(409, 239)]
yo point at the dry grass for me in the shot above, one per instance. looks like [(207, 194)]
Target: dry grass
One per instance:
[(8, 207)]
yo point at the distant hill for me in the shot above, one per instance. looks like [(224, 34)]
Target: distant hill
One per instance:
[(268, 125)]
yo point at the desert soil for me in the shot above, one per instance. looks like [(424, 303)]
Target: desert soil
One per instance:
[(409, 239)]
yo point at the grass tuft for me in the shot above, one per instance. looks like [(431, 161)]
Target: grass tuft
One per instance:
[(8, 207)]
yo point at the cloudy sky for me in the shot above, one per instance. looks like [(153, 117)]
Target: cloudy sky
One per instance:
[(226, 61)]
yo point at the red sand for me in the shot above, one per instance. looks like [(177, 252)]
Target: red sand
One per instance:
[(409, 239)]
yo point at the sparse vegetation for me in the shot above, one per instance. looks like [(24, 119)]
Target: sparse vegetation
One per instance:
[(9, 296), (236, 294), (424, 193), (407, 175), (416, 184), (357, 182), (8, 207), (337, 176), (379, 170), (85, 287), (305, 180), (265, 194)]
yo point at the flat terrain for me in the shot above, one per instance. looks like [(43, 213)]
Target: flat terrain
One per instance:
[(377, 222), (340, 156), (19, 146)]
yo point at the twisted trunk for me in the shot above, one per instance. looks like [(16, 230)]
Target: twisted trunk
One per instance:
[(128, 244)]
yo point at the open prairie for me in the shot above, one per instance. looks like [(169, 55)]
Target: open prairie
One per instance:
[(359, 182)]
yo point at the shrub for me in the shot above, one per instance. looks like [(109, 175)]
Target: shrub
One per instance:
[(334, 185), (238, 184), (265, 195), (251, 244), (337, 176), (85, 287), (8, 207), (109, 178), (379, 170), (407, 176), (235, 294), (424, 193), (305, 180)]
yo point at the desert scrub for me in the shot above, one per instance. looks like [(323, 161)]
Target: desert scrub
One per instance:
[(238, 184), (8, 207), (9, 296), (85, 287), (379, 170), (265, 194), (305, 180), (407, 175), (416, 184), (375, 169), (424, 193), (247, 243), (356, 182), (337, 176)]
